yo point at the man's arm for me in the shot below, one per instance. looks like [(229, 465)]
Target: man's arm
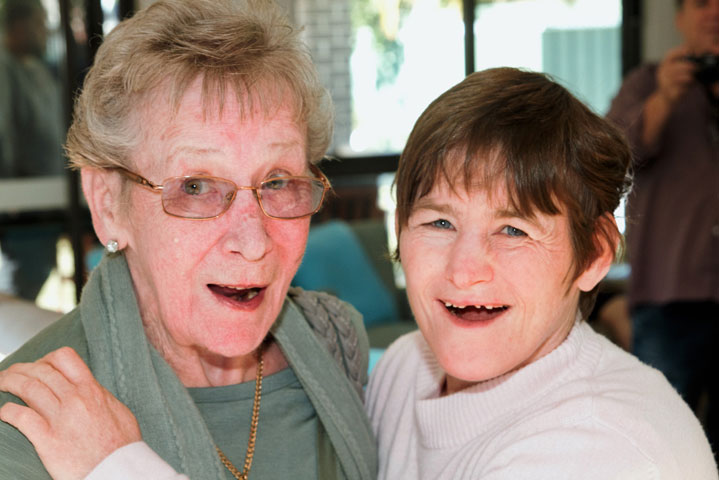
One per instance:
[(674, 76)]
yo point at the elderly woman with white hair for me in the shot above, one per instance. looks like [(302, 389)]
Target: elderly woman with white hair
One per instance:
[(197, 136)]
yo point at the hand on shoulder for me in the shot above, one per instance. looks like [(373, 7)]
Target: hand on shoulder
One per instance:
[(72, 421)]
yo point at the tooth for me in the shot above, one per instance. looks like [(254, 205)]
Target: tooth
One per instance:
[(251, 294), (447, 304), (488, 307), (462, 307)]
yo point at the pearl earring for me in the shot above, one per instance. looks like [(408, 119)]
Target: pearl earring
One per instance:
[(112, 246)]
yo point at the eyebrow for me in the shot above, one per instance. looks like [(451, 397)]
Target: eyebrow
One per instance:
[(178, 157), (199, 151), (286, 145), (424, 204), (192, 150), (510, 212)]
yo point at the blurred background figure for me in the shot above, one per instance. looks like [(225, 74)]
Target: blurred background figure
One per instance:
[(670, 112), (32, 129), (31, 137)]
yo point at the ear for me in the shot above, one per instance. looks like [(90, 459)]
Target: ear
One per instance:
[(599, 267), (102, 189)]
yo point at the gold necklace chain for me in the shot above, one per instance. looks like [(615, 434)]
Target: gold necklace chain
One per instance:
[(253, 430)]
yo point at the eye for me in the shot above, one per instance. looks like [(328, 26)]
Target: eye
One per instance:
[(197, 186), (513, 231), (275, 184), (441, 224)]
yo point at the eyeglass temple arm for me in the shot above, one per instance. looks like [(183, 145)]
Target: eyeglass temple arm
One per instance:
[(138, 179), (316, 170)]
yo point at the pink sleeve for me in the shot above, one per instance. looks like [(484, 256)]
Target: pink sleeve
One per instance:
[(134, 461)]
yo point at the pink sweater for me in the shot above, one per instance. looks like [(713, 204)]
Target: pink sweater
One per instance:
[(587, 410)]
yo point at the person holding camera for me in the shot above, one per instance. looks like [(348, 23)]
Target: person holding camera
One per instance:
[(670, 113)]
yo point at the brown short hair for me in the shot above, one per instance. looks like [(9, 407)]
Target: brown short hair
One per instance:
[(247, 49), (552, 152)]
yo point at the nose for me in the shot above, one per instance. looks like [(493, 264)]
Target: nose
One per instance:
[(246, 230), (470, 261)]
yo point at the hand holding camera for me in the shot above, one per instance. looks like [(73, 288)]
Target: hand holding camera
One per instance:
[(707, 68), (674, 75)]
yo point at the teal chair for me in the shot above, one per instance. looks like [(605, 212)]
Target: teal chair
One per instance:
[(351, 261)]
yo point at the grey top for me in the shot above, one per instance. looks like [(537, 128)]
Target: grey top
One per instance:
[(286, 431), (673, 211)]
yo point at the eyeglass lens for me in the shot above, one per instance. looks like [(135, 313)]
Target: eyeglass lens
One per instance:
[(207, 197)]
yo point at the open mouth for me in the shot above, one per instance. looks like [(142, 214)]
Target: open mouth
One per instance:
[(475, 313), (241, 296)]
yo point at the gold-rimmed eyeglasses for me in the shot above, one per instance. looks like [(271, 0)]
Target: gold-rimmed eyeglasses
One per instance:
[(203, 197)]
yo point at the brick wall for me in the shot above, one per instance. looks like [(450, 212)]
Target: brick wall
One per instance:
[(328, 33)]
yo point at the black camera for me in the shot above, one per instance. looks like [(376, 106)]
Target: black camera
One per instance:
[(707, 71)]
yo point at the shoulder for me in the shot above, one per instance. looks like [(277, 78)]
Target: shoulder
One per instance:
[(395, 375), (621, 380), (339, 327), (607, 416), (629, 410), (638, 84), (320, 307), (559, 451), (391, 404), (66, 332), (640, 79), (17, 455), (643, 73), (635, 401), (408, 351), (18, 458), (592, 449)]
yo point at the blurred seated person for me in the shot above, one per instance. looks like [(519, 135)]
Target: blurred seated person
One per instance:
[(505, 194)]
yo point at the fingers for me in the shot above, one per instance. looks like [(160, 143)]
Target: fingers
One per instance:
[(25, 419), (67, 362), (28, 382), (76, 381), (677, 53), (675, 74), (44, 383)]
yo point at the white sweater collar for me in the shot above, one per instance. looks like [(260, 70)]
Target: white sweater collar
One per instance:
[(456, 419)]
